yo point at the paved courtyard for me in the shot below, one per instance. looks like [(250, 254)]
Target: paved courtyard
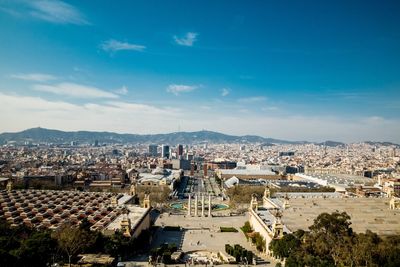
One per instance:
[(202, 233)]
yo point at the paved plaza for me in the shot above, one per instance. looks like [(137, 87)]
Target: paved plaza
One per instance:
[(202, 233), (365, 213)]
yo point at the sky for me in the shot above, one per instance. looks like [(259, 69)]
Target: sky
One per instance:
[(295, 70)]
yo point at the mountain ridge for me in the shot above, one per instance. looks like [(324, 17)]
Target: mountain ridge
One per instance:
[(43, 135)]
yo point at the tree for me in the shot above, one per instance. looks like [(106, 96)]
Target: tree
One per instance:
[(332, 236), (71, 240), (389, 251), (282, 248), (118, 245), (259, 241), (246, 228), (335, 223), (37, 249)]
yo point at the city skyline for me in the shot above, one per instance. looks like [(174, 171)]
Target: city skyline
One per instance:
[(296, 71)]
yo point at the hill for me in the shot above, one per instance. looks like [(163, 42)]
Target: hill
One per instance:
[(42, 135)]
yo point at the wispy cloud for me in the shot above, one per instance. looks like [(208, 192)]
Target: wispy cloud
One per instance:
[(74, 90), (36, 77), (176, 89), (187, 40), (252, 99), (120, 116), (225, 91), (10, 11), (269, 108), (57, 12), (205, 107), (122, 91), (114, 46), (29, 111)]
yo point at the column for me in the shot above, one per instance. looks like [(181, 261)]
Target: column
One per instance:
[(209, 205), (189, 206), (202, 205), (195, 205)]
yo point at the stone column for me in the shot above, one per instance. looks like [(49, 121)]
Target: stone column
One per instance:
[(202, 205), (209, 205), (195, 206), (189, 208)]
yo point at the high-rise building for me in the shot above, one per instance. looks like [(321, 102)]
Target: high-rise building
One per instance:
[(205, 169), (180, 150), (153, 150), (165, 151)]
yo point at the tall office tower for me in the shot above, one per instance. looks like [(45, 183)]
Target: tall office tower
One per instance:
[(205, 169), (165, 151), (180, 150), (153, 150)]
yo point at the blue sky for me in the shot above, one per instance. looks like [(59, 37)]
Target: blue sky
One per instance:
[(299, 70)]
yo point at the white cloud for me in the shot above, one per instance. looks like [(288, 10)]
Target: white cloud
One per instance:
[(122, 91), (114, 46), (74, 90), (252, 99), (176, 89), (225, 91), (205, 107), (269, 108), (18, 112), (57, 12), (36, 77), (187, 40), (21, 112)]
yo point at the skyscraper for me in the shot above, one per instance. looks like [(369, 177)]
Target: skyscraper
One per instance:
[(165, 151), (153, 150), (180, 150)]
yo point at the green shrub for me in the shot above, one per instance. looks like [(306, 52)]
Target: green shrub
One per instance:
[(166, 257), (228, 230), (246, 228)]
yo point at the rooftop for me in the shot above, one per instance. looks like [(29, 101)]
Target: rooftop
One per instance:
[(366, 213), (246, 172), (135, 214)]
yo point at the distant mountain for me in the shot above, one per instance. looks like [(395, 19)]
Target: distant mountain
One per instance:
[(331, 143), (372, 143), (42, 135)]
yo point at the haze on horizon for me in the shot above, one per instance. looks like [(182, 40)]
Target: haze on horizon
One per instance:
[(311, 70)]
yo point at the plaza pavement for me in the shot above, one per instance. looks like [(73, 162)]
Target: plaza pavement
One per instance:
[(202, 233)]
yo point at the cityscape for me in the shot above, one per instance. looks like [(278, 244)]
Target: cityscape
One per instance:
[(199, 133)]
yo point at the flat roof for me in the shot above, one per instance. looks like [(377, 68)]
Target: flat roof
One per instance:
[(246, 172), (269, 219), (338, 179), (308, 194), (124, 199), (366, 213), (135, 215)]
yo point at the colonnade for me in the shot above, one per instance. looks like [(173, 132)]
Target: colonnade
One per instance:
[(196, 205)]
